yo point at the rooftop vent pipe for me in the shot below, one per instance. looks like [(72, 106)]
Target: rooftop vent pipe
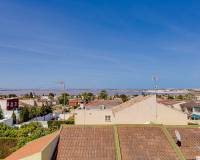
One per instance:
[(178, 138)]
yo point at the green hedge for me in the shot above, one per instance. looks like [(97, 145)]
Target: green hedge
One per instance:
[(7, 146), (57, 124), (190, 123), (24, 134)]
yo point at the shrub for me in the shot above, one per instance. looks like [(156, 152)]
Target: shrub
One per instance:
[(7, 146), (191, 123), (23, 135), (57, 124)]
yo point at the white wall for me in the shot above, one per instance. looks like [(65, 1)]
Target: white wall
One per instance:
[(30, 102), (46, 153), (49, 150), (139, 113), (7, 121), (170, 116), (8, 113), (3, 104), (47, 117), (93, 116), (64, 116)]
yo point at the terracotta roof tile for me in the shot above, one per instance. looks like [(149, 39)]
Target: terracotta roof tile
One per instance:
[(141, 143), (86, 143), (190, 141), (168, 102), (106, 103)]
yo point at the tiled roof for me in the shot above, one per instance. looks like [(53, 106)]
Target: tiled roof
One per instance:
[(32, 147), (74, 100), (129, 142), (190, 141), (168, 102), (191, 104), (106, 103), (100, 142), (86, 143), (141, 143)]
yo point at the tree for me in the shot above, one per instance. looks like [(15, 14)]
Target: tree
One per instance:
[(49, 109), (51, 96), (43, 111), (124, 97), (63, 99), (180, 97), (3, 96), (14, 117), (28, 95), (116, 95), (12, 95), (1, 113), (24, 114), (31, 95), (32, 112), (170, 97), (103, 95), (87, 97)]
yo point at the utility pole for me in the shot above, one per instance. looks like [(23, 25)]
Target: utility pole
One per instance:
[(155, 80)]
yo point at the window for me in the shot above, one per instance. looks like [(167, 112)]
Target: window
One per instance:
[(107, 118), (196, 109)]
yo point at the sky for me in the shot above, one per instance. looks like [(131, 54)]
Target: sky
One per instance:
[(99, 43)]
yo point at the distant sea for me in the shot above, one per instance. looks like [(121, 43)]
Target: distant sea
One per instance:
[(78, 91)]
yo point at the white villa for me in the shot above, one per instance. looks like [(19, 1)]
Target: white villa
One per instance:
[(139, 110)]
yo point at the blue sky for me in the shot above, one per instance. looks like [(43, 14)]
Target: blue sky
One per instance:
[(99, 43)]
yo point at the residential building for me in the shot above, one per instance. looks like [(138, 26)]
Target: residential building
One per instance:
[(27, 102), (74, 102), (36, 102), (101, 103), (8, 105), (139, 110), (196, 113)]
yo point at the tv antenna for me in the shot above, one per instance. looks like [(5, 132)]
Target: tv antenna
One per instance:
[(155, 80), (62, 83)]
